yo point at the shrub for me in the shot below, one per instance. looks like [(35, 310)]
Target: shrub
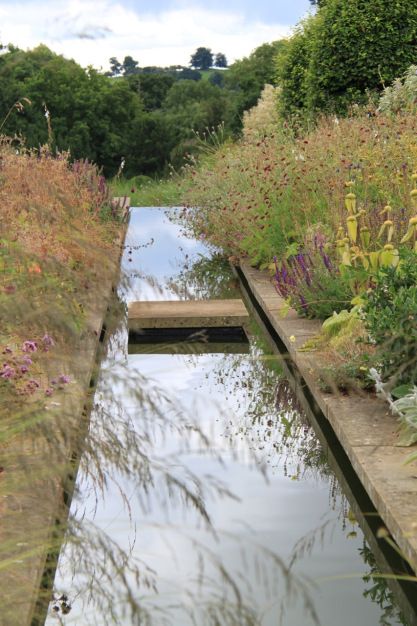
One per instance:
[(262, 120), (345, 51), (391, 320), (401, 95), (292, 65), (255, 197)]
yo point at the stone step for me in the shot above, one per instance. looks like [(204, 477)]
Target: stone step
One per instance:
[(187, 314)]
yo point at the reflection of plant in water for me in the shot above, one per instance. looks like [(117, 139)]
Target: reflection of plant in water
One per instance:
[(379, 591), (122, 448), (204, 277), (270, 417)]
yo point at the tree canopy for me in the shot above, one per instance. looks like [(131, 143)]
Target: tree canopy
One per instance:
[(148, 115), (202, 59), (220, 60)]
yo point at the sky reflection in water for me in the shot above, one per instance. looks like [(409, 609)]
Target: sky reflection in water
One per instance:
[(252, 419)]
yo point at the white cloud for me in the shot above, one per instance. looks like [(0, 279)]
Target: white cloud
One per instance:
[(92, 32)]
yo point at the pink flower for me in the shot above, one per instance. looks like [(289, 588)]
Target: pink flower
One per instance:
[(24, 369), (29, 346), (49, 391), (27, 360), (64, 380), (8, 372), (47, 341)]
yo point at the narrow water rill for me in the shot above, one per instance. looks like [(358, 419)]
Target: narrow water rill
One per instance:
[(216, 494)]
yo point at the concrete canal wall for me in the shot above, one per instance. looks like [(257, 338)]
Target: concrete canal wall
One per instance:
[(30, 515), (363, 425)]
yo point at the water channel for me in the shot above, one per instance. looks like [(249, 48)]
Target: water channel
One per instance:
[(215, 502)]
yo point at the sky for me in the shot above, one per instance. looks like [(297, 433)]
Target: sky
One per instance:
[(157, 32)]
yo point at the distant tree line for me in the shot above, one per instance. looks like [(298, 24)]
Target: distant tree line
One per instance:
[(148, 115)]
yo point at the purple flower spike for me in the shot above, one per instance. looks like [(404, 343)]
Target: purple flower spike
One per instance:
[(327, 262), (24, 369), (27, 360), (7, 350), (49, 391), (64, 380)]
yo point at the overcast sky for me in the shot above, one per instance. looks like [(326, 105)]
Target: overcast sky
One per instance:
[(157, 32)]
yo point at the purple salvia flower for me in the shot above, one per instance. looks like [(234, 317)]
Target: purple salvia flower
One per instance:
[(303, 302), (326, 261)]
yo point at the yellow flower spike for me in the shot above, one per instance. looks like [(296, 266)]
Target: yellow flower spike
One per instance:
[(352, 226), (365, 236), (373, 258), (340, 247), (389, 225), (389, 257), (340, 232), (414, 179), (350, 202), (385, 226), (349, 183), (413, 195), (412, 226), (346, 260), (387, 210)]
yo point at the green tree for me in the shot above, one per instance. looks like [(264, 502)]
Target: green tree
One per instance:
[(346, 50), (202, 59), (358, 46), (248, 76), (188, 74), (220, 60), (130, 66), (292, 66), (152, 88), (115, 67), (90, 114), (216, 78)]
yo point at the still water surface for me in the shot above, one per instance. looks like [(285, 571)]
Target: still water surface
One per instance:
[(237, 514)]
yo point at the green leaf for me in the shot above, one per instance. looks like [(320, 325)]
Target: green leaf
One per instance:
[(401, 390)]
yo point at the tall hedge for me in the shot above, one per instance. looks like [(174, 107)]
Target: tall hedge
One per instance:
[(354, 46), (292, 66)]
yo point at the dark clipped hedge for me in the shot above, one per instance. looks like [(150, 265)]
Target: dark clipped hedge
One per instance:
[(350, 47)]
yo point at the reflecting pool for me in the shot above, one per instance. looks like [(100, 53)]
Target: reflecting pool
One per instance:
[(209, 499)]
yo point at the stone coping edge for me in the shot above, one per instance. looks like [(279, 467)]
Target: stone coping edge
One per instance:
[(84, 358), (363, 425)]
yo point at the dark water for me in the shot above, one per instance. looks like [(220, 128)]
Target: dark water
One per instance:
[(229, 500)]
